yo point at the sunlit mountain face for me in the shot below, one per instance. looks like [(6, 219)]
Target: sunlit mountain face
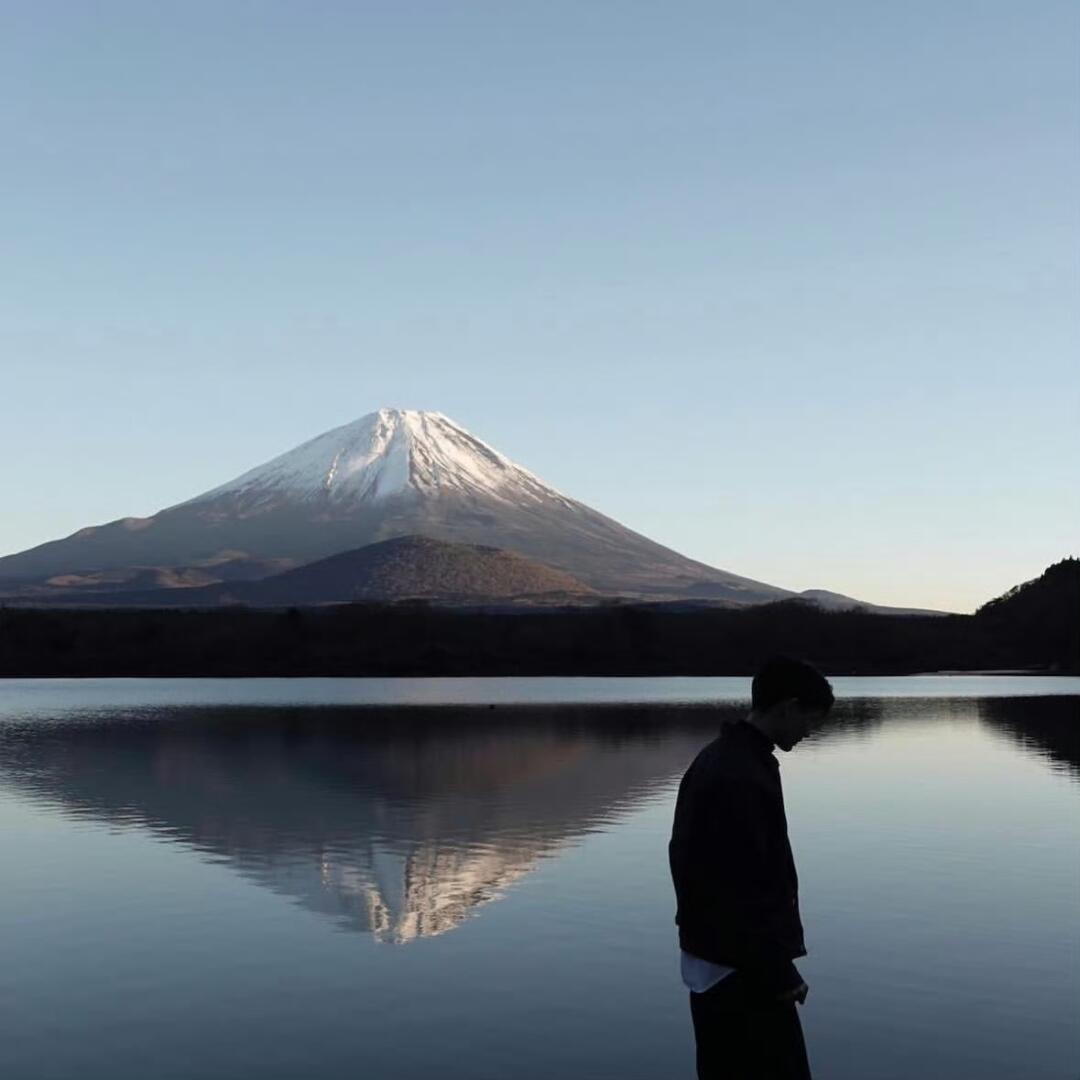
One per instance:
[(391, 473), (399, 824)]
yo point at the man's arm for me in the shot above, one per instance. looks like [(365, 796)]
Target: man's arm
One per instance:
[(751, 888)]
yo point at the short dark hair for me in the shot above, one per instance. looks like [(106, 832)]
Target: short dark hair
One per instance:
[(783, 677)]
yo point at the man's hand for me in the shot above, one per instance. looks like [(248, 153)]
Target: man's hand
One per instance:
[(796, 993)]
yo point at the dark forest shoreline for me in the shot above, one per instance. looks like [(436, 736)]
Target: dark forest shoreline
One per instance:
[(419, 640)]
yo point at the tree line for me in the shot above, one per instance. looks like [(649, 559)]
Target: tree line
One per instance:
[(1035, 627)]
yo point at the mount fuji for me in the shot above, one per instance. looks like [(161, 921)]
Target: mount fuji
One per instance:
[(392, 473)]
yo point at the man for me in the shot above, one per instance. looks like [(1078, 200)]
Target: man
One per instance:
[(736, 888)]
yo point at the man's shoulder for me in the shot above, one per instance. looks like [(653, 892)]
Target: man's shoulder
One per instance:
[(734, 757), (736, 738), (726, 754)]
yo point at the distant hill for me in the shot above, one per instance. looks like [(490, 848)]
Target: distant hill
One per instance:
[(405, 568), (834, 601), (1040, 619), (413, 567)]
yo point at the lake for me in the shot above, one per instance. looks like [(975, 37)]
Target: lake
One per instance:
[(468, 878)]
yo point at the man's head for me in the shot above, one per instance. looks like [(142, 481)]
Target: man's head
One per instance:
[(787, 698)]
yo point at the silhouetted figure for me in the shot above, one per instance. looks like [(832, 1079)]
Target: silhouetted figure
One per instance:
[(736, 887)]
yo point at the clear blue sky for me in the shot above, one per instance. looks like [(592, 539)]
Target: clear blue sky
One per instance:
[(790, 287)]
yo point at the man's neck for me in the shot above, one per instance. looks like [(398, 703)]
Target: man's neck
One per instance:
[(760, 726)]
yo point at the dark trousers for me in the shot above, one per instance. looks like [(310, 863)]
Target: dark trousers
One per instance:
[(742, 1035)]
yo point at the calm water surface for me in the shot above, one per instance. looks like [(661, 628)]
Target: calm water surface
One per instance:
[(467, 878)]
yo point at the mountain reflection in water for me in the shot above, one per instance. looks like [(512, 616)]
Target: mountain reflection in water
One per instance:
[(399, 822), (402, 822)]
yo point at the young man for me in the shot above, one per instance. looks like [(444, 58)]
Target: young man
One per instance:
[(736, 887)]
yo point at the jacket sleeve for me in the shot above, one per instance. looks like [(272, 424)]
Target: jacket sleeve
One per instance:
[(751, 890)]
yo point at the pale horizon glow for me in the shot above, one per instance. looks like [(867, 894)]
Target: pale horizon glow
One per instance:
[(791, 292)]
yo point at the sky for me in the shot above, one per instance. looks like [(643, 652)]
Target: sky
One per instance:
[(789, 288)]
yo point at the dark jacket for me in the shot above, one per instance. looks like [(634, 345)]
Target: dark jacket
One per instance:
[(731, 862)]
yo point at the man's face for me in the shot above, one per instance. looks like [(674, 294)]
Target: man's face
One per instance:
[(794, 721)]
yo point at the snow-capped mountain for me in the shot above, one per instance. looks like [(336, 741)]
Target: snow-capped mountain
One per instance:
[(391, 473), (392, 452)]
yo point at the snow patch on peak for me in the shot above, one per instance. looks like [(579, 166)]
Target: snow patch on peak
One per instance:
[(386, 453)]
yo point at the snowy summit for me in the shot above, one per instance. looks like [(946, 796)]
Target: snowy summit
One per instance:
[(386, 453)]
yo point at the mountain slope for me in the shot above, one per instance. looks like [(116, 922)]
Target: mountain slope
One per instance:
[(392, 473)]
